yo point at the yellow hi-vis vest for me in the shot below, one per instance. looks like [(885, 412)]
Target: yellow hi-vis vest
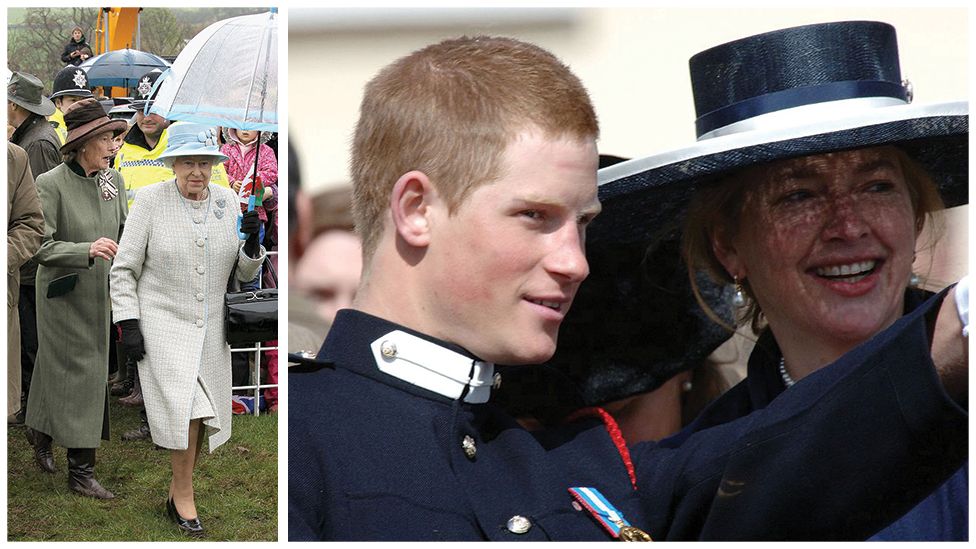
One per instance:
[(57, 120), (139, 167)]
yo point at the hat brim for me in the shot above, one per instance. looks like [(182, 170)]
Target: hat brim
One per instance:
[(141, 105), (191, 150), (45, 108), (80, 92), (77, 136), (644, 196)]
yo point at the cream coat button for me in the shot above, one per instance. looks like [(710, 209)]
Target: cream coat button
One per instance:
[(201, 242), (197, 220), (518, 524), (199, 323), (195, 205), (200, 269), (470, 450), (199, 297)]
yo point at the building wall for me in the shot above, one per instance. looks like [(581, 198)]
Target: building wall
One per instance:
[(634, 61)]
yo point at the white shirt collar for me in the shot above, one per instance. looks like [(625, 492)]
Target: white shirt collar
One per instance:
[(433, 367)]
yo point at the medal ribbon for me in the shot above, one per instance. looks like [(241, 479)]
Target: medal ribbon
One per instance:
[(602, 510)]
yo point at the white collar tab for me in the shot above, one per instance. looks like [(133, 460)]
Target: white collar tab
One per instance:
[(433, 367)]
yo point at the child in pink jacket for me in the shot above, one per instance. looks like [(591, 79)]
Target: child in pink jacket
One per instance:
[(240, 148)]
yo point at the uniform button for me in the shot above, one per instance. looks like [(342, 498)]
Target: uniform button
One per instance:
[(199, 297), (496, 381), (388, 349), (470, 450), (199, 323), (201, 242), (200, 269), (518, 524)]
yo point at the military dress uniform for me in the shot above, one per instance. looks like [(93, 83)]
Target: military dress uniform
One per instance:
[(392, 437)]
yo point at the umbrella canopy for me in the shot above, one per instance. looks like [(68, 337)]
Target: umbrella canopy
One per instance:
[(227, 75), (121, 68)]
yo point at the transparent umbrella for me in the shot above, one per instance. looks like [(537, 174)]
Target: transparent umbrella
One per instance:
[(227, 75), (122, 68)]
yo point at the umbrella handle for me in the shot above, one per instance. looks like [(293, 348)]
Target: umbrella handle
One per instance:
[(250, 208)]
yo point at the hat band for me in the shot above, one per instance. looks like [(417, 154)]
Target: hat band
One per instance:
[(805, 115), (796, 97)]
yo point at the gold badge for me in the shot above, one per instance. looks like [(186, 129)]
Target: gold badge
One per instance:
[(630, 533)]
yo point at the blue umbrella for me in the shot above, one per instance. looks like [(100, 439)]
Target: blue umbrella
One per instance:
[(121, 68)]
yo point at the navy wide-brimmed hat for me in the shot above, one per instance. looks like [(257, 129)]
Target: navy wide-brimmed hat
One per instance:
[(784, 94), (73, 81)]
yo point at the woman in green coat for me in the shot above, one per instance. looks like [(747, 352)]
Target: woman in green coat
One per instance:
[(84, 215)]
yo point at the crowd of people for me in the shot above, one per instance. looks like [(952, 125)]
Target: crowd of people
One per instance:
[(130, 225), (475, 197)]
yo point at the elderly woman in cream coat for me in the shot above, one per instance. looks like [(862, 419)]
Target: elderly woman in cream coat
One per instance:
[(176, 254)]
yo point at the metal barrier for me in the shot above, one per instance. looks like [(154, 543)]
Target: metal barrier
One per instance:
[(257, 349)]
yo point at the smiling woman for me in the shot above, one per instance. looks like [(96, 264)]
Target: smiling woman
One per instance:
[(824, 246), (812, 182)]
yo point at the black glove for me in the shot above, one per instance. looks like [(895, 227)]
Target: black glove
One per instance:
[(130, 336), (251, 226)]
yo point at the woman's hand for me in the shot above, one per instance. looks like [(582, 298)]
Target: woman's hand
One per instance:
[(236, 185), (251, 226), (105, 248), (130, 336), (268, 194), (950, 349)]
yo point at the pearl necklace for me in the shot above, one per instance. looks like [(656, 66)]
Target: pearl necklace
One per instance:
[(787, 379)]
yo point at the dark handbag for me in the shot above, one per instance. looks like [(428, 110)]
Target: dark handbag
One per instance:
[(252, 315)]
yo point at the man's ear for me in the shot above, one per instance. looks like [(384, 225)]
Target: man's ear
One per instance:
[(726, 253), (410, 202)]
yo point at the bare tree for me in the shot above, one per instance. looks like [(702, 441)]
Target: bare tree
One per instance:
[(34, 46), (162, 33)]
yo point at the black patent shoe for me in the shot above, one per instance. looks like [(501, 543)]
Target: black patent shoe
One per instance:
[(190, 527)]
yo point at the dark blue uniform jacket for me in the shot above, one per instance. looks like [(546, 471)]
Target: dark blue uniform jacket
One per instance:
[(847, 451), (942, 516)]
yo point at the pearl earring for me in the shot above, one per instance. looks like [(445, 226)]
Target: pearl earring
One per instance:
[(914, 281), (739, 296)]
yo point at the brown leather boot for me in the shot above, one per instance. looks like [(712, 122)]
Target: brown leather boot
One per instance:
[(81, 474), (135, 398), (43, 456)]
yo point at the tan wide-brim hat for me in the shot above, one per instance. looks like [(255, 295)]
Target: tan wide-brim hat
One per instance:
[(86, 119)]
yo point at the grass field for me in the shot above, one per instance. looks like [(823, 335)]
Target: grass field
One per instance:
[(236, 488)]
